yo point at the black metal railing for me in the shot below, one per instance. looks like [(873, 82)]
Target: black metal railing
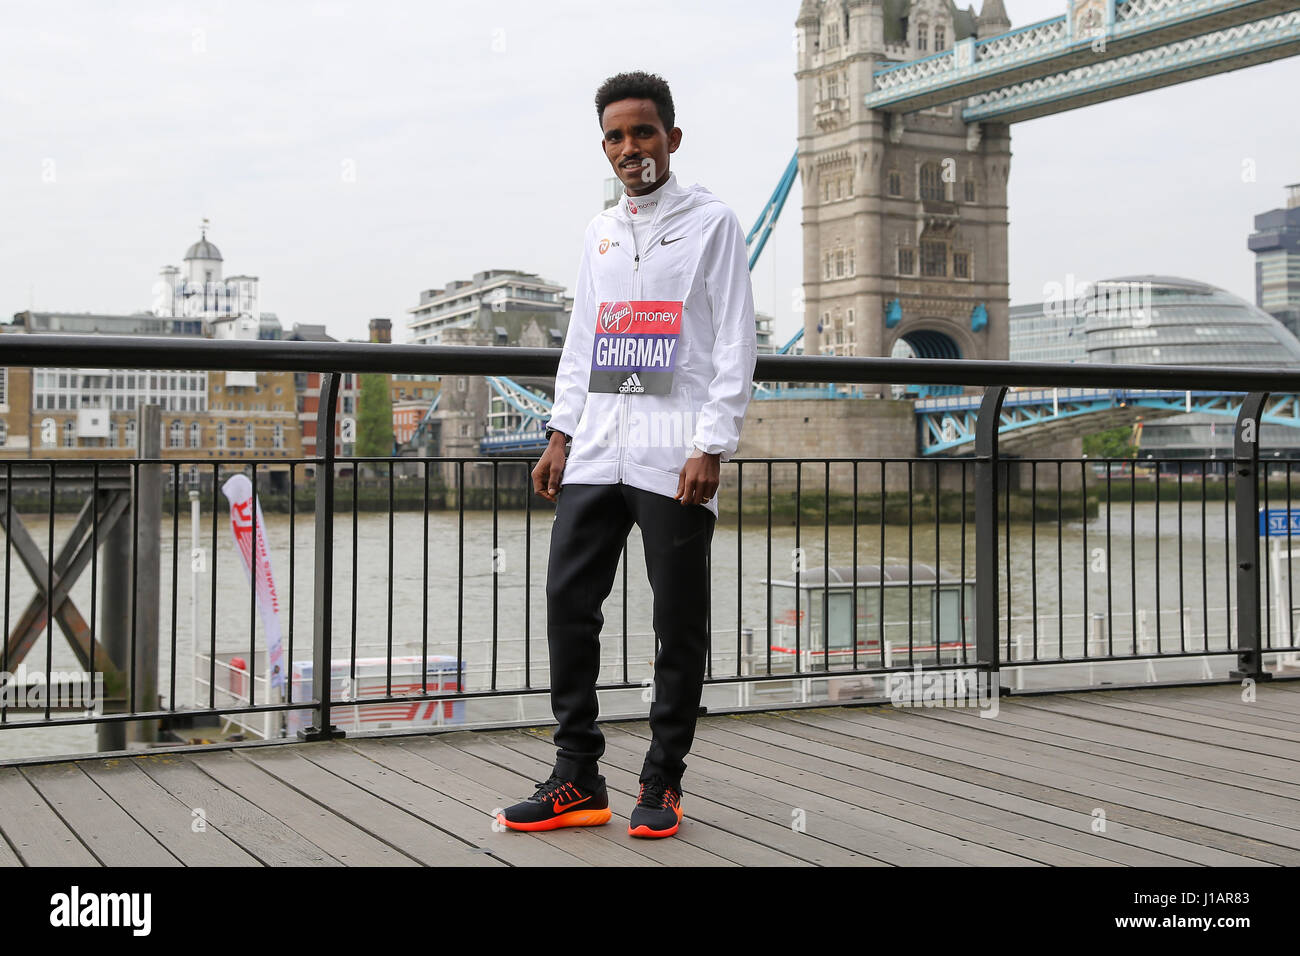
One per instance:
[(1012, 566)]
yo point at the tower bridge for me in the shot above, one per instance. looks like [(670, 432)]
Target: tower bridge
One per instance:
[(904, 147)]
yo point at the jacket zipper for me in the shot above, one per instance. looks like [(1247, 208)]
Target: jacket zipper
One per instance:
[(622, 408), (636, 277)]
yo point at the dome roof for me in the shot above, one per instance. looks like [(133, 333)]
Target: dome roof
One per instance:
[(1169, 320), (203, 250)]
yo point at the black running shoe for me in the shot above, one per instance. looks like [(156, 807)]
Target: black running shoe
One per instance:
[(558, 803), (658, 810)]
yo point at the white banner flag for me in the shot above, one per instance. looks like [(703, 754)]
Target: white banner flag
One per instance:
[(239, 492)]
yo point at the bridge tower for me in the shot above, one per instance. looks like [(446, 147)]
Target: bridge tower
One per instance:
[(904, 218)]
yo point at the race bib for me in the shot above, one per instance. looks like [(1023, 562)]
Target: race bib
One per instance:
[(635, 349)]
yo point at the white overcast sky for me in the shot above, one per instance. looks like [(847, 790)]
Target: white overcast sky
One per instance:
[(470, 135)]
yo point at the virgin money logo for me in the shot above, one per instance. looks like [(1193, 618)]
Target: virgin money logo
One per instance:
[(616, 317), (632, 206)]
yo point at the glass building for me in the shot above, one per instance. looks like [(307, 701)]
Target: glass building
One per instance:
[(1276, 244), (1161, 320)]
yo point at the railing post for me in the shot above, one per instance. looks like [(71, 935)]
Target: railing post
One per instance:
[(147, 568), (323, 585), (987, 659), (1245, 453)]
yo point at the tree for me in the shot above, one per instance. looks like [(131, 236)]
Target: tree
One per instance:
[(375, 417), (1114, 442)]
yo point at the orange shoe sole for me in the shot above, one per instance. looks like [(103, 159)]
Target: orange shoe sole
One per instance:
[(574, 818), (645, 831)]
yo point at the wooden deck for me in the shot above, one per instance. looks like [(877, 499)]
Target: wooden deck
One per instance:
[(1184, 776)]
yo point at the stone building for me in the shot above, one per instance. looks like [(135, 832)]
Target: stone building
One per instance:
[(904, 218)]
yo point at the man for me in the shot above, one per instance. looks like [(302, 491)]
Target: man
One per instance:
[(652, 389)]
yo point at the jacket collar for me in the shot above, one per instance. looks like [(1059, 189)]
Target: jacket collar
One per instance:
[(670, 195)]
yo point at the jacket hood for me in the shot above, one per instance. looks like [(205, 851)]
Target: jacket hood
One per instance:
[(676, 199)]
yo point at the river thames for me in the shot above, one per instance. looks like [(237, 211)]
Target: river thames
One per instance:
[(503, 592)]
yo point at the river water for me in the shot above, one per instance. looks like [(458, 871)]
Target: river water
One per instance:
[(503, 593)]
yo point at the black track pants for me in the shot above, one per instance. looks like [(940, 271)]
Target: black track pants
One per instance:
[(591, 525)]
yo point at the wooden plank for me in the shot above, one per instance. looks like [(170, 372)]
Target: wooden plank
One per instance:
[(468, 824), (347, 843), (1124, 790), (886, 840), (707, 837), (35, 832), (1156, 728), (847, 803), (776, 758), (594, 845), (673, 852), (923, 776), (1029, 725), (259, 833), (1133, 741), (165, 816), (1197, 843), (108, 831), (1132, 844), (1248, 714), (928, 805), (546, 849), (1276, 706), (1126, 770), (1224, 722), (416, 837)]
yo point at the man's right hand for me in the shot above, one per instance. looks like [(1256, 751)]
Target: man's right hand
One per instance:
[(550, 469)]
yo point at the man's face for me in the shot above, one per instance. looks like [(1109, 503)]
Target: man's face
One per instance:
[(636, 143)]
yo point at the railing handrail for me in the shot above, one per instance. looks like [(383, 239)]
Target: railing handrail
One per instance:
[(168, 352)]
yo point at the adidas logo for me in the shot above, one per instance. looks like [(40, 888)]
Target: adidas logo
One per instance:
[(632, 384)]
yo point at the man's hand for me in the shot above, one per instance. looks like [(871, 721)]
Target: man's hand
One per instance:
[(698, 481), (550, 469)]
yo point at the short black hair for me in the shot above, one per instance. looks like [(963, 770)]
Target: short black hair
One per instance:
[(640, 86)]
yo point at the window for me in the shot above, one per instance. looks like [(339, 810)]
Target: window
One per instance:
[(940, 40), (895, 183), (969, 190), (934, 258), (196, 435), (4, 386), (69, 434), (249, 440), (839, 264), (130, 433), (221, 435), (921, 36), (906, 262), (176, 435), (961, 265), (4, 433), (932, 182), (277, 437), (850, 319), (826, 265)]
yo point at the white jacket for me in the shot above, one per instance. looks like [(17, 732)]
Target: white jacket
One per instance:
[(660, 351)]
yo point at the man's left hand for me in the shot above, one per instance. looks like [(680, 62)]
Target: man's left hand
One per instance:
[(698, 482)]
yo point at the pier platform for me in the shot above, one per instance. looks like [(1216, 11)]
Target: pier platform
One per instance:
[(1183, 776)]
